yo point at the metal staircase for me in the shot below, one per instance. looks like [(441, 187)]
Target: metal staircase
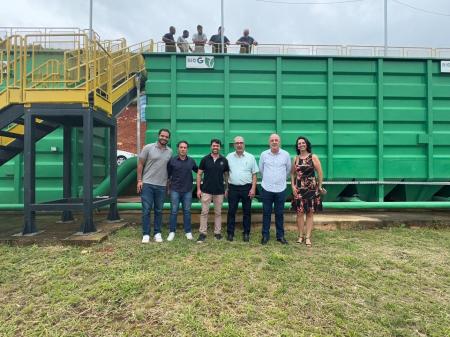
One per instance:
[(59, 69)]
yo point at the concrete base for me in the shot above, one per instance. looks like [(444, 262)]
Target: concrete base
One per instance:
[(53, 232)]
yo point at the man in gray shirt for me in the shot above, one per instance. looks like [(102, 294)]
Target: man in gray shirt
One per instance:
[(274, 165), (152, 181)]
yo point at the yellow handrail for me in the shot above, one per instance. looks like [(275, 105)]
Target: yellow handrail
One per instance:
[(69, 68)]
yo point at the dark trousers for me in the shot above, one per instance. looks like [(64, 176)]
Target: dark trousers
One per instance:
[(238, 193), (277, 200)]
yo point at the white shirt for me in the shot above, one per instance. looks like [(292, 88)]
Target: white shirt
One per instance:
[(242, 168), (274, 168)]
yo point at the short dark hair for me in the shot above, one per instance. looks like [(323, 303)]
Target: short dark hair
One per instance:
[(181, 142), (308, 144), (215, 140), (199, 26), (185, 31), (162, 130)]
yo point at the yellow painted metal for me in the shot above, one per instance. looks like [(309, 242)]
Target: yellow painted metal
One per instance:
[(11, 51), (68, 67), (44, 95)]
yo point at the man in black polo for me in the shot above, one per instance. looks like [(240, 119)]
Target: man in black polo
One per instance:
[(179, 170), (169, 40), (214, 167)]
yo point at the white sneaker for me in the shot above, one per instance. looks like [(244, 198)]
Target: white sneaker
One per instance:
[(158, 237), (189, 236), (146, 239), (171, 236)]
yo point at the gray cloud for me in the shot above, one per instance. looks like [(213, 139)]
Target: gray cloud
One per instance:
[(352, 23)]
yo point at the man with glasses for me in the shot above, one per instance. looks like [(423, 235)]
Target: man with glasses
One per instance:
[(241, 187)]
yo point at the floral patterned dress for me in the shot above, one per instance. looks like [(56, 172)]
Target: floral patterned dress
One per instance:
[(308, 196)]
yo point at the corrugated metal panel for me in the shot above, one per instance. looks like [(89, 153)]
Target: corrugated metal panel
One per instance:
[(368, 119)]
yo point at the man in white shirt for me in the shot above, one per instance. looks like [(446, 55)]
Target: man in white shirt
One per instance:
[(275, 166), (241, 187), (183, 43), (199, 40)]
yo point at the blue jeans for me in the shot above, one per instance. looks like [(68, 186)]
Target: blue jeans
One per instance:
[(277, 199), (152, 196), (186, 201)]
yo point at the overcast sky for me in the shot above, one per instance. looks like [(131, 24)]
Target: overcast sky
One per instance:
[(352, 23)]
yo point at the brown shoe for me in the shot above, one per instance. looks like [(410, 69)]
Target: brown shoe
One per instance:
[(308, 242)]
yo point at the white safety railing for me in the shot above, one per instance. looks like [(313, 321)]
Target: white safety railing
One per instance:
[(324, 50)]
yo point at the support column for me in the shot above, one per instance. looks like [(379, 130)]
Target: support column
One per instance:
[(29, 178), (67, 216), (113, 214), (88, 135)]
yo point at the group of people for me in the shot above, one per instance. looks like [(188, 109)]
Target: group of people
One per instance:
[(233, 177), (199, 40)]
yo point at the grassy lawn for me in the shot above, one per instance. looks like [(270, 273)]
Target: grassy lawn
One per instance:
[(389, 282)]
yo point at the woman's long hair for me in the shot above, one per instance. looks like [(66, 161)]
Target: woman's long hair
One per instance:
[(308, 144)]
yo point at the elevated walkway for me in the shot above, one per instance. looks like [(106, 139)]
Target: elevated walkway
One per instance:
[(58, 69)]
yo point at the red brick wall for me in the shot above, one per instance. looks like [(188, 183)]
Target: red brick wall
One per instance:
[(126, 130)]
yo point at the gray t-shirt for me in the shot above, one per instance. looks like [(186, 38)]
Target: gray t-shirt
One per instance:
[(155, 168)]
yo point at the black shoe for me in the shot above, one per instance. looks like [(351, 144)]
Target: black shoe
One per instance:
[(246, 237), (230, 237), (282, 241), (264, 240), (218, 236), (201, 238)]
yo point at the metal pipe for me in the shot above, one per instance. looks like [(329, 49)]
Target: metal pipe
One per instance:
[(258, 205), (90, 19), (138, 115), (222, 38), (326, 205), (385, 28)]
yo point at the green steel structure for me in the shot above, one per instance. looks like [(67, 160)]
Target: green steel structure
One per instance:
[(370, 120), (49, 167)]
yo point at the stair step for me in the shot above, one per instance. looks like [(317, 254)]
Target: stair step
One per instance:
[(11, 134)]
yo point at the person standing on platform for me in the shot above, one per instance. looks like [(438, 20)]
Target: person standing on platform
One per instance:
[(152, 182), (169, 40), (241, 187), (179, 171), (216, 42), (214, 170), (199, 39), (274, 165), (183, 43), (246, 42)]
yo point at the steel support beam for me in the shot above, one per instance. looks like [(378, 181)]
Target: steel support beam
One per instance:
[(67, 215), (29, 183)]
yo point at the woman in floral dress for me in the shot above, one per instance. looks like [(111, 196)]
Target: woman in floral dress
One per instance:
[(306, 188)]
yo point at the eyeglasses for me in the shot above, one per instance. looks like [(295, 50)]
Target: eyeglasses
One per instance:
[(238, 142)]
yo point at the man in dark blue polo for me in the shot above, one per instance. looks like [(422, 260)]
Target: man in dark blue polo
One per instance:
[(169, 40), (179, 170)]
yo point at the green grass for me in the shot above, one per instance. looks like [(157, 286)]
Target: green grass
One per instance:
[(391, 282)]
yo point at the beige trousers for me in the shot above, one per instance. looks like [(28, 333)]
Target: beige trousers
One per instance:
[(206, 201)]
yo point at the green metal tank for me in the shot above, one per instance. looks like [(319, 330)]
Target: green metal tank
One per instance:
[(369, 119), (49, 167)]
